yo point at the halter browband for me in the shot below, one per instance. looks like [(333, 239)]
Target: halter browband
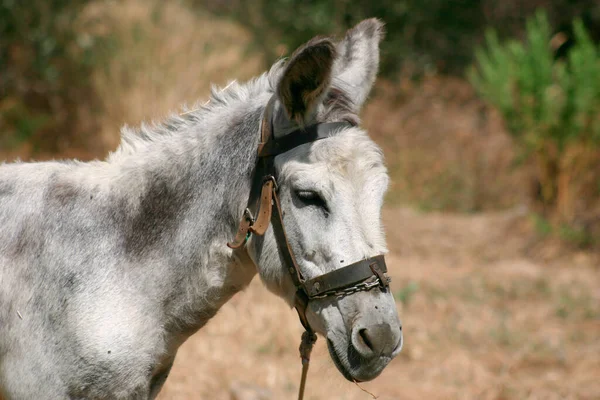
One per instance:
[(265, 209)]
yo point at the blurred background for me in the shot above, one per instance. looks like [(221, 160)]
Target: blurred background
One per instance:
[(488, 113)]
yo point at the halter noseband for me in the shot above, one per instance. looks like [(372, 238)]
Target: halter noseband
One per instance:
[(264, 208)]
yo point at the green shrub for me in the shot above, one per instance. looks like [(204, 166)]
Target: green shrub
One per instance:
[(46, 59), (551, 108), (542, 100)]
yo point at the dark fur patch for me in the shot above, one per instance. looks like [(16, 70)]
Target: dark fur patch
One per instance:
[(27, 239), (158, 380), (69, 282), (60, 193), (157, 216), (339, 107), (6, 188)]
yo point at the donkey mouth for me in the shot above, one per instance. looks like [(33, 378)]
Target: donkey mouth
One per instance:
[(354, 367), (338, 363)]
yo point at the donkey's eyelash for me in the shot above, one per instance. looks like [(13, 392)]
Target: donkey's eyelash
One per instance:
[(311, 198), (307, 194)]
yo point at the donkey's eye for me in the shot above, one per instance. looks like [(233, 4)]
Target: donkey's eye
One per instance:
[(310, 198)]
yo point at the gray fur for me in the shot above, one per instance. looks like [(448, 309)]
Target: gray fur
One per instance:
[(107, 267)]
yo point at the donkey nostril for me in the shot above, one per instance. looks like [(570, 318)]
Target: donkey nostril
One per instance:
[(365, 338)]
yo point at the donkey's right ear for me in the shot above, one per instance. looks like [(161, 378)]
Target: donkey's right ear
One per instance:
[(306, 79), (358, 61)]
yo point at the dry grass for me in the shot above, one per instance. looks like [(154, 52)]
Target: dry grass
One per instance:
[(170, 55), (444, 148)]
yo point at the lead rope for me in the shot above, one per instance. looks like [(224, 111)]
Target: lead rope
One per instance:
[(306, 346)]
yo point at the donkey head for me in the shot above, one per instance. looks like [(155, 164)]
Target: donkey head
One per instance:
[(331, 194)]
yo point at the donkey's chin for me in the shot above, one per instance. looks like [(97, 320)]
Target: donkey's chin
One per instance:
[(352, 365)]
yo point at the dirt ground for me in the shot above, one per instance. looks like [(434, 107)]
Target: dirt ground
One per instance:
[(485, 314)]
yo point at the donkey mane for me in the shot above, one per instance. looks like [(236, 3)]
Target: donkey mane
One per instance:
[(337, 106), (132, 138)]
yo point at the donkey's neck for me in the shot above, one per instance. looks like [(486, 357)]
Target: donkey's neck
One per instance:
[(190, 187)]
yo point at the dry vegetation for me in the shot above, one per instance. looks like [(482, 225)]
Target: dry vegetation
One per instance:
[(445, 149), (167, 56), (170, 57), (488, 312)]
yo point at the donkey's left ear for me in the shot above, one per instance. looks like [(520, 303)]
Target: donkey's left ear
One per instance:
[(306, 79), (356, 68)]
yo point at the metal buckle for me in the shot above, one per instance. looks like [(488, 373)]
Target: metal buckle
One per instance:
[(248, 216), (384, 280), (271, 178)]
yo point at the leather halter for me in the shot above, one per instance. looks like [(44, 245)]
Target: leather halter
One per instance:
[(266, 208)]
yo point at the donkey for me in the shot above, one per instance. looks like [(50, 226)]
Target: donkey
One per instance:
[(107, 267)]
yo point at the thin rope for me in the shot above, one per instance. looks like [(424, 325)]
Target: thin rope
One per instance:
[(364, 390), (303, 380), (306, 346)]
